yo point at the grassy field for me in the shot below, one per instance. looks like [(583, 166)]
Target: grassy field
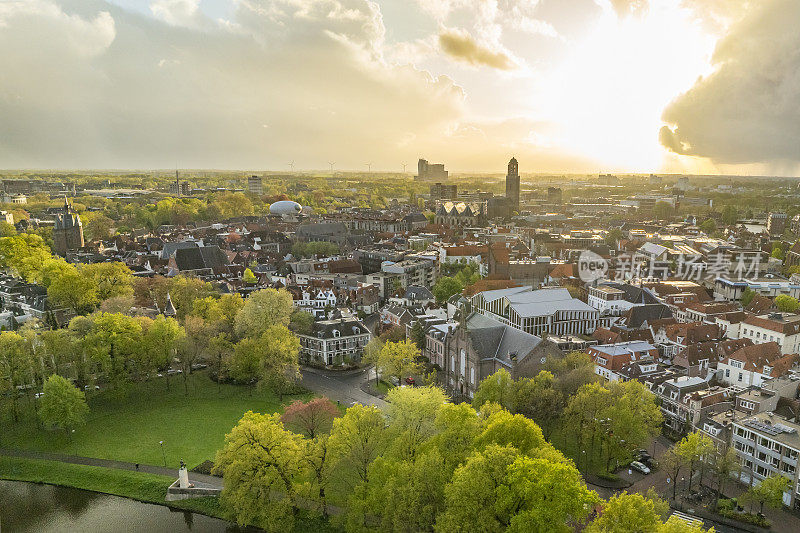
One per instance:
[(192, 427), (136, 485)]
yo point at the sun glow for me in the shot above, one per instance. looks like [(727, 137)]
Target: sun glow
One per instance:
[(607, 97)]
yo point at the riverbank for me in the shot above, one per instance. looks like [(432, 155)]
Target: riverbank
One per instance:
[(148, 488)]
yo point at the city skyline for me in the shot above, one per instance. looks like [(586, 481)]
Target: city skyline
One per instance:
[(569, 87)]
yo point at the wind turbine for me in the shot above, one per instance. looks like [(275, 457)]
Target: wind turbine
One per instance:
[(331, 163), (369, 167), (404, 168), (291, 165)]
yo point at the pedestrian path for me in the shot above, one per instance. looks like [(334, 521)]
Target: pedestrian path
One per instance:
[(212, 481)]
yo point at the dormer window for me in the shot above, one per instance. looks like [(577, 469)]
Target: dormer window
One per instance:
[(337, 333)]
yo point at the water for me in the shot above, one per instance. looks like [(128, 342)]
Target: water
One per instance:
[(45, 508)]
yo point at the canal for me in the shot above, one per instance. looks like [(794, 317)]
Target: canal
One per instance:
[(28, 507)]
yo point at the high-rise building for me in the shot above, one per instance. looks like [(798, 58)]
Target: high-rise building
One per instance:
[(442, 191), (554, 195), (776, 223), (67, 230), (255, 185), (512, 185), (428, 171)]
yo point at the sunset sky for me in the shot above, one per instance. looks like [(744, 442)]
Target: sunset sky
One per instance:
[(687, 86)]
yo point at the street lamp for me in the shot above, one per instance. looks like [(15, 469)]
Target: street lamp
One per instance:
[(161, 442)]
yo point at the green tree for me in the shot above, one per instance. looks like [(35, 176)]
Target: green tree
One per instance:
[(538, 399), (504, 491), (695, 450), (98, 227), (729, 215), (708, 226), (269, 359), (15, 367), (446, 287), (262, 310), (627, 512), (357, 438), (769, 491), (62, 405), (114, 342), (160, 343), (786, 303), (301, 322), (614, 237), (747, 297), (248, 277), (398, 359), (417, 335), (261, 464), (112, 279), (74, 291), (498, 388), (411, 416)]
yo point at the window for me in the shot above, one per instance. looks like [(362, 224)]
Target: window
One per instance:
[(740, 376), (472, 375)]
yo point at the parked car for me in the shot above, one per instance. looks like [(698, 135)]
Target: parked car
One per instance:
[(173, 371), (410, 381), (639, 467), (38, 395)]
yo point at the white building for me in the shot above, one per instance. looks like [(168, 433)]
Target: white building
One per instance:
[(766, 444), (553, 310), (782, 328)]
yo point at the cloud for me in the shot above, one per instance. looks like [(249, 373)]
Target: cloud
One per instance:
[(745, 111), (90, 85), (629, 7), (459, 45), (177, 12)]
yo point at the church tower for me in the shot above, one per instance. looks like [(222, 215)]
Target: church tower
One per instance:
[(512, 185), (67, 231)]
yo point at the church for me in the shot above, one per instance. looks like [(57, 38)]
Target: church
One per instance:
[(67, 231)]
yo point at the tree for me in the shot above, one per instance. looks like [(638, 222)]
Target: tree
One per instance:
[(708, 226), (538, 399), (572, 371), (301, 322), (161, 341), (729, 215), (98, 228), (497, 388), (614, 237), (417, 335), (113, 341), (371, 354), (74, 291), (411, 418), (248, 277), (724, 465), (263, 309), (261, 463), (769, 491), (15, 367), (111, 279), (695, 449), (747, 296), (312, 417), (398, 359), (357, 438), (504, 491), (269, 359), (786, 303), (639, 513), (62, 405), (446, 287)]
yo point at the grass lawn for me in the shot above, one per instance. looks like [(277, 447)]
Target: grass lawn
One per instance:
[(136, 485), (192, 427)]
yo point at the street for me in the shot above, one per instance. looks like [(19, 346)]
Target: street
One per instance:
[(342, 387)]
